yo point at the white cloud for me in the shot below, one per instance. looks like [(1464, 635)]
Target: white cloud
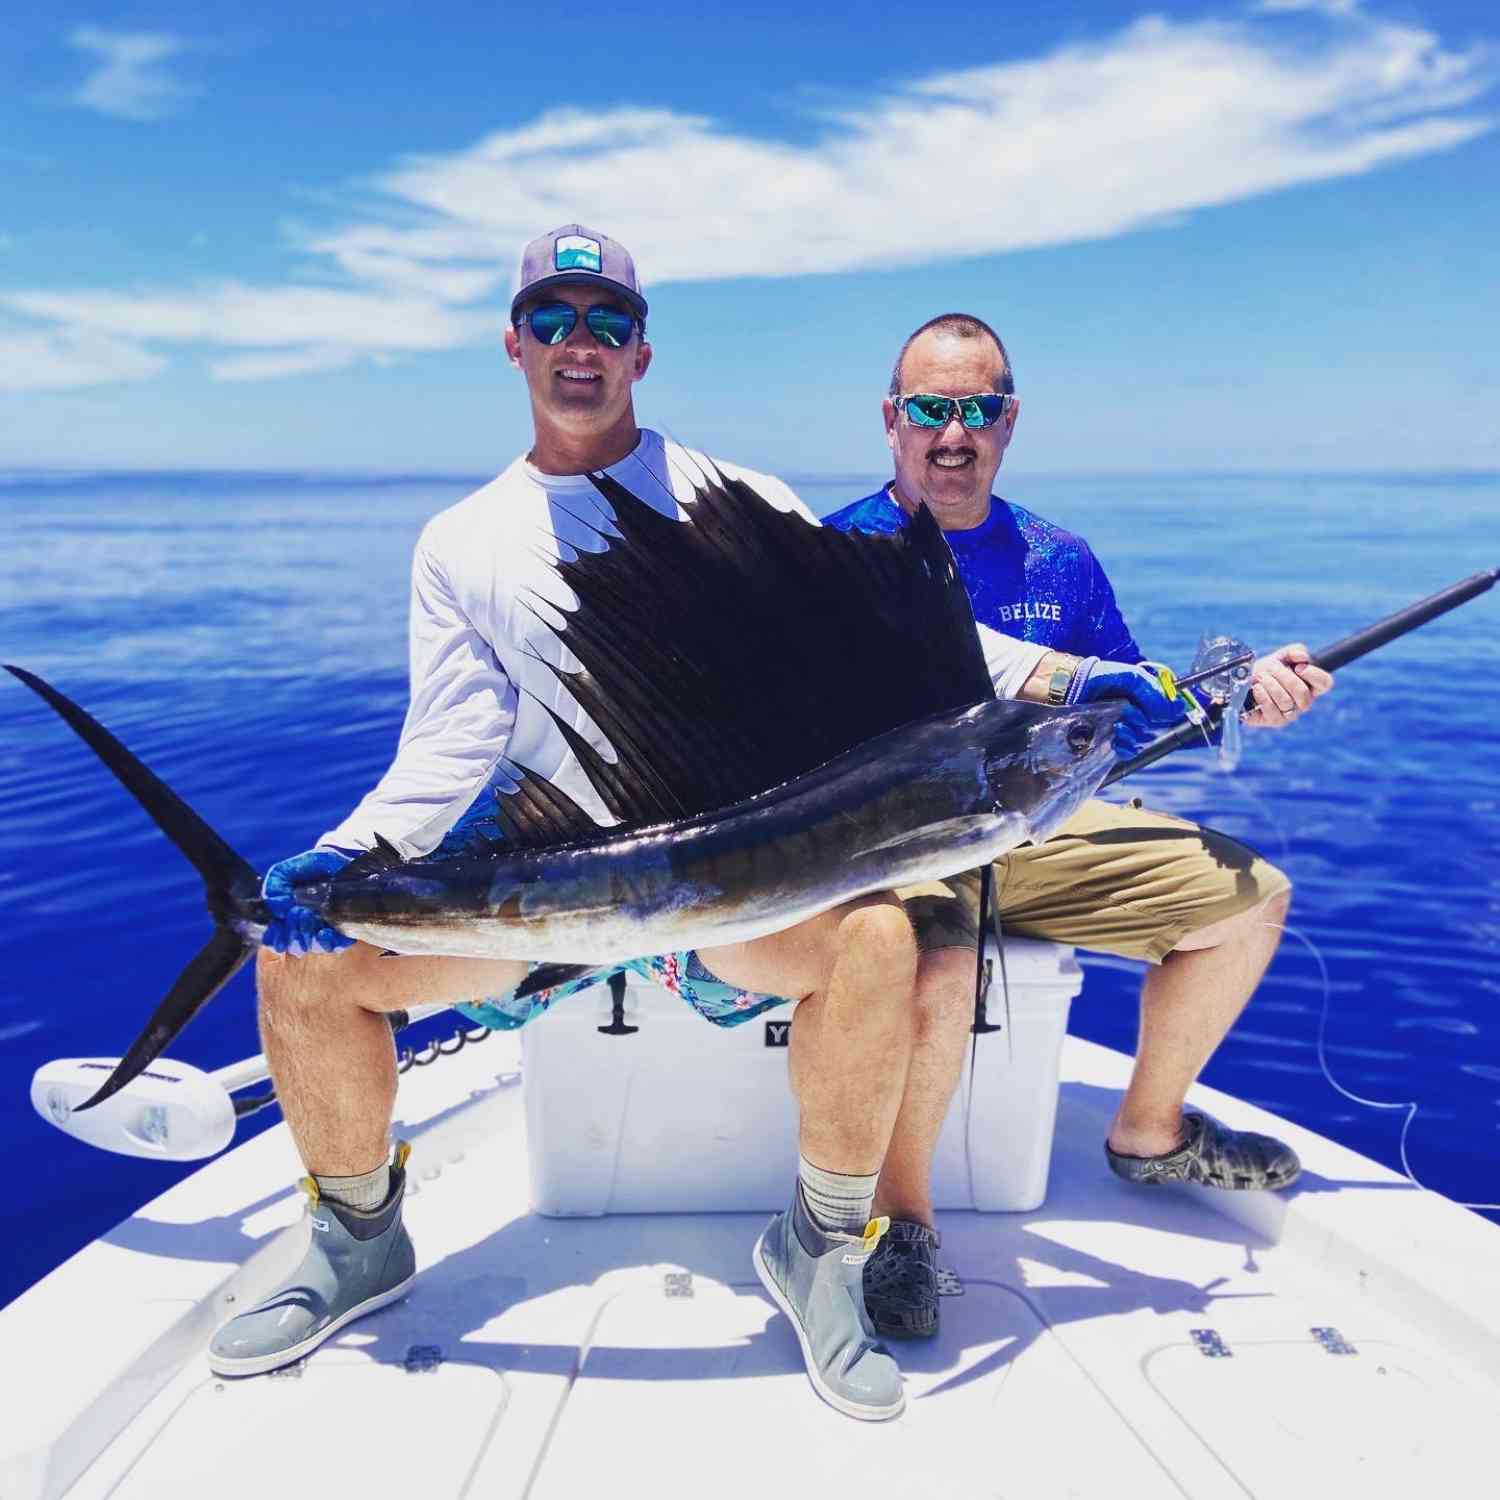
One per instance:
[(233, 314), (1135, 130), (61, 359), (1328, 7), (283, 362), (131, 81), (1088, 142)]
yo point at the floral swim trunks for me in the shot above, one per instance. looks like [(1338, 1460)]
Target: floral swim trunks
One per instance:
[(682, 973)]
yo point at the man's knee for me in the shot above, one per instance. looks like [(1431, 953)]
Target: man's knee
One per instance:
[(945, 992), (286, 983), (879, 928), (1269, 912)]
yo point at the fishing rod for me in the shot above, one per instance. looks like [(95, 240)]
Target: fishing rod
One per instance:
[(1337, 654)]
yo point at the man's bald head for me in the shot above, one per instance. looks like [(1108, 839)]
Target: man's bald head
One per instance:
[(957, 326), (951, 468)]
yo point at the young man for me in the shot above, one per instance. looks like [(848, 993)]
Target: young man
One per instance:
[(1205, 911), (480, 688)]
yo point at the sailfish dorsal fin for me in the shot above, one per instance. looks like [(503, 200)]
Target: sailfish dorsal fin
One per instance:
[(732, 651)]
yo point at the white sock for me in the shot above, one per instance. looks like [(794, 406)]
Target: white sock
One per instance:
[(836, 1200), (366, 1191)]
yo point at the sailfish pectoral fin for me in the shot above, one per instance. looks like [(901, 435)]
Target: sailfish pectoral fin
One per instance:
[(549, 976), (210, 969)]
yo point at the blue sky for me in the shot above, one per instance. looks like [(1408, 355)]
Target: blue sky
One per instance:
[(1257, 235)]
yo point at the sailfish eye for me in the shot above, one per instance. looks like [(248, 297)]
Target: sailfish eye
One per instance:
[(1080, 736)]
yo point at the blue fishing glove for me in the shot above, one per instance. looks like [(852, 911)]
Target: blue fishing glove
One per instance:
[(300, 929), (1150, 713)]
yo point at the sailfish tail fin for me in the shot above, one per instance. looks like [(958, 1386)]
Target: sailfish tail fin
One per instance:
[(231, 888)]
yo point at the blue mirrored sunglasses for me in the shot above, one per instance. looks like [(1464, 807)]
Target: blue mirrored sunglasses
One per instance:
[(552, 322), (981, 410)]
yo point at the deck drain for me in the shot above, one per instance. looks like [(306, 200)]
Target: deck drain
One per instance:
[(1210, 1345), (1333, 1341)]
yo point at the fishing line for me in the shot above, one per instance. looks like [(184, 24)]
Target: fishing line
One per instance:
[(1264, 808), (1409, 1105)]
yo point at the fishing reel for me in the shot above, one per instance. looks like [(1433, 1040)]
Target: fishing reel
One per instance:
[(1219, 680), (1222, 667)]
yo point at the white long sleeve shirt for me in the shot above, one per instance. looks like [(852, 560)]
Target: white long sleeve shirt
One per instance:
[(481, 574)]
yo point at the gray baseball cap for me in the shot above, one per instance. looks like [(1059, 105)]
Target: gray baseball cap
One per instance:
[(576, 256)]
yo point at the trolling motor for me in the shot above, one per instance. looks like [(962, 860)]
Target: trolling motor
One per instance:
[(173, 1111)]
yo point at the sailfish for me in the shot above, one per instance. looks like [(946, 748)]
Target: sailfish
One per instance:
[(798, 717)]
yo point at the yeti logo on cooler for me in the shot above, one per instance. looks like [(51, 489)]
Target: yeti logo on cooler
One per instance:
[(778, 1033)]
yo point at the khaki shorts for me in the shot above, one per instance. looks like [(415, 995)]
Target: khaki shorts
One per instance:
[(1114, 879)]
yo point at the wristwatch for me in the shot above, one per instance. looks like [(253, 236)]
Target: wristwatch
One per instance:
[(1061, 680)]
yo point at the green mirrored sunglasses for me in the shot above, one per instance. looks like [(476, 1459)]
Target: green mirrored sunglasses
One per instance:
[(983, 409)]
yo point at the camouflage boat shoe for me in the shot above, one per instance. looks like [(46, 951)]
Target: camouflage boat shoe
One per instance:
[(901, 1285), (1215, 1156)]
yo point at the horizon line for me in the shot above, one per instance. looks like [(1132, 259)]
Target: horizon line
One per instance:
[(18, 473)]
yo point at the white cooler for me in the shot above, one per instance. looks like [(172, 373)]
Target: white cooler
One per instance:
[(682, 1116)]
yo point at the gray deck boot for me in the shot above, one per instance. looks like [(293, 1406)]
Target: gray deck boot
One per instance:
[(817, 1279), (356, 1261)]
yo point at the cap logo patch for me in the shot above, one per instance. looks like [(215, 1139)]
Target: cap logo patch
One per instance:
[(576, 252)]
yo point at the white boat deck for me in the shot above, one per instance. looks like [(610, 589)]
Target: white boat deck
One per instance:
[(1115, 1342)]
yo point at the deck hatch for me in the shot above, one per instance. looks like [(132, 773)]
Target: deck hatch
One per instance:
[(1286, 1420), (243, 1439), (709, 1392)]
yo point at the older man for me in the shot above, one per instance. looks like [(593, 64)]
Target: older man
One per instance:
[(1203, 910)]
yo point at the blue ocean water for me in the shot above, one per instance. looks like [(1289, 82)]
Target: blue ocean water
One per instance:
[(245, 635)]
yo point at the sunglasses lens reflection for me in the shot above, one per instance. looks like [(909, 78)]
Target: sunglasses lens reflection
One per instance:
[(983, 411), (929, 411), (610, 326), (552, 323)]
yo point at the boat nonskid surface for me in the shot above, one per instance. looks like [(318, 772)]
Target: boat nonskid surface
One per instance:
[(1114, 1341)]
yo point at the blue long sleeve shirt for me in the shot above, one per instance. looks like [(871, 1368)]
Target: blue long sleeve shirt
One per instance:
[(1026, 577)]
